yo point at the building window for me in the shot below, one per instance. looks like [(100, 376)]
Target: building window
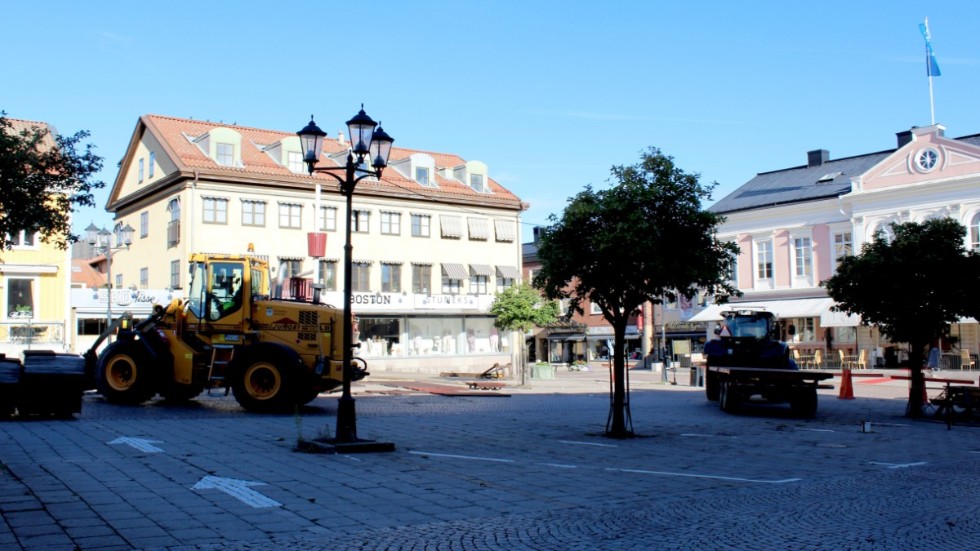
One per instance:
[(328, 219), (886, 231), (215, 210), (391, 223), (328, 275), (253, 213), (805, 330), (476, 182), (478, 284), (359, 220), (842, 245), (294, 161), (975, 232), (20, 298), (119, 281), (175, 274), (144, 224), (391, 278), (361, 277), (144, 278), (141, 170), (290, 215), (803, 256), (152, 163), (225, 154), (173, 226), (504, 283), (763, 259), (421, 279), (421, 224), (422, 175), (450, 286), (23, 240)]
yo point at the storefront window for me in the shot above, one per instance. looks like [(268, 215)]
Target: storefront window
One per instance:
[(411, 336), (846, 335)]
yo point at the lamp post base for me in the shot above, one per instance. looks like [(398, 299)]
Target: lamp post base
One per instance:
[(345, 439)]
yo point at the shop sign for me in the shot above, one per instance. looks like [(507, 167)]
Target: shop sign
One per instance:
[(445, 301)]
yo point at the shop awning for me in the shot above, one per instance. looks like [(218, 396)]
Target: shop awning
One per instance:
[(839, 319), (481, 269), (509, 272), (479, 229), (451, 226), (454, 271), (783, 309)]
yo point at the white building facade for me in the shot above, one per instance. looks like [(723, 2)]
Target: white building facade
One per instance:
[(433, 240), (793, 225)]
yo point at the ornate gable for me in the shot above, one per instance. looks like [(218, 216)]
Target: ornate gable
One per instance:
[(929, 156)]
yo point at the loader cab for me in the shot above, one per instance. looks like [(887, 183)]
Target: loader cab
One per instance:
[(218, 290)]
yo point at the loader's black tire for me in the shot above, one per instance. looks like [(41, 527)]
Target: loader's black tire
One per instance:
[(124, 374), (711, 386), (265, 383)]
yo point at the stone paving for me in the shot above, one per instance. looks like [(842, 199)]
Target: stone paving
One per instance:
[(527, 471)]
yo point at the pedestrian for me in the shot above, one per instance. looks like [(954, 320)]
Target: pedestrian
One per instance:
[(932, 359)]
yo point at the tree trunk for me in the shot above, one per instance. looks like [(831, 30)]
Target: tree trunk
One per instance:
[(917, 383), (618, 414)]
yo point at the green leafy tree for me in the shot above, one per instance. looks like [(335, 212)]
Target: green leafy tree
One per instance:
[(646, 238), (912, 287), (520, 308), (43, 179)]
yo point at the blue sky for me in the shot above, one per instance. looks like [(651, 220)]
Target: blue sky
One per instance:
[(549, 94)]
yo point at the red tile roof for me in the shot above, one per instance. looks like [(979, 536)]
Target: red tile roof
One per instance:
[(177, 135)]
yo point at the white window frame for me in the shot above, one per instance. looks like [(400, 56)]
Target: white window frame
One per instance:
[(802, 259), (762, 247), (224, 154)]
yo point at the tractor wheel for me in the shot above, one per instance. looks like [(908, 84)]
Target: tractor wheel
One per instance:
[(264, 384), (728, 398), (711, 386), (124, 374), (804, 403)]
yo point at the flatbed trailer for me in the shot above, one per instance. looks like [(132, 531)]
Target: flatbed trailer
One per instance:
[(732, 386)]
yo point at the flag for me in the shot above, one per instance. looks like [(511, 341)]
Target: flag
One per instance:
[(932, 68)]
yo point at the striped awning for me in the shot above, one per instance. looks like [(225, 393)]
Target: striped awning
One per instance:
[(454, 271), (505, 230), (451, 226), (479, 229), (481, 269), (510, 272)]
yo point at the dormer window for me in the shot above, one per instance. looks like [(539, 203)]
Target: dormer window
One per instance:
[(295, 162), (476, 182), (225, 154), (422, 175)]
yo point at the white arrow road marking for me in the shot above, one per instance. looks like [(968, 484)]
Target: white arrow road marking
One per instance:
[(141, 444), (899, 465), (714, 477), (238, 489)]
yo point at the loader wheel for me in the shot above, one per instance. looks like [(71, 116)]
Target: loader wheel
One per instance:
[(124, 375), (263, 385)]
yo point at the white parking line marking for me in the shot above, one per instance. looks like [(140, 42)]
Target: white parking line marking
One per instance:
[(899, 465), (471, 457), (560, 466), (699, 435), (573, 442), (708, 476), (818, 430)]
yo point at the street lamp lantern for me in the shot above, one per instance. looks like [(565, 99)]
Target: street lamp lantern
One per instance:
[(311, 138), (361, 129), (366, 138), (101, 242)]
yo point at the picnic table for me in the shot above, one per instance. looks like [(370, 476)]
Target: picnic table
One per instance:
[(958, 403)]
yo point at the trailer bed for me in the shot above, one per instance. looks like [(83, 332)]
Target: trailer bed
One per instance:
[(734, 386)]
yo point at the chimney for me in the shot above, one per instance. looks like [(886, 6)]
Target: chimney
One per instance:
[(341, 139), (538, 232), (817, 157), (904, 137)]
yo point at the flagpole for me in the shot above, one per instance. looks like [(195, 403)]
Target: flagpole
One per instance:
[(932, 105)]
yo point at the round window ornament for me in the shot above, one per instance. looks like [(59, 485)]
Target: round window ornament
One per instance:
[(927, 159)]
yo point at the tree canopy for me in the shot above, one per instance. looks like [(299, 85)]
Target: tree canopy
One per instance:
[(645, 238), (43, 179), (911, 286), (520, 307)]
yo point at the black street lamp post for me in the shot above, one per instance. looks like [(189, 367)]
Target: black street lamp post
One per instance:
[(101, 242), (367, 138)]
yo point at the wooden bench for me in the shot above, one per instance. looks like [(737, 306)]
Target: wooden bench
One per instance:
[(957, 403)]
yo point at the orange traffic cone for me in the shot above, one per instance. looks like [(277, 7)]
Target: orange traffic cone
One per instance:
[(846, 387)]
